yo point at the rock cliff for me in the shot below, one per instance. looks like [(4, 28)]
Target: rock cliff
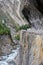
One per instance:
[(12, 9), (32, 47)]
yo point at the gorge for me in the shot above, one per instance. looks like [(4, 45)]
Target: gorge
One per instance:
[(21, 44)]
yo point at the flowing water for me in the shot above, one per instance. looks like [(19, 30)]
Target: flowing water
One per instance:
[(9, 59)]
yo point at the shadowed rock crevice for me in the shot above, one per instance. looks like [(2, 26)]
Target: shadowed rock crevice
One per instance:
[(26, 13), (40, 5)]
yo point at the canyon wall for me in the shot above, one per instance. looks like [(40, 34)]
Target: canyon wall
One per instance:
[(11, 8), (31, 41), (32, 14), (14, 9), (32, 48)]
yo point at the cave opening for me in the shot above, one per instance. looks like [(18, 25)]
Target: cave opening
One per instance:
[(26, 14)]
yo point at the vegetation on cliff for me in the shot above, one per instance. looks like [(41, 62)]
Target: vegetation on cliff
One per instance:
[(17, 37), (24, 27), (4, 29)]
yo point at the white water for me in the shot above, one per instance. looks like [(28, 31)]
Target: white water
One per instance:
[(8, 59)]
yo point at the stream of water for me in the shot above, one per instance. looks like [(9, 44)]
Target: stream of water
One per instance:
[(9, 59)]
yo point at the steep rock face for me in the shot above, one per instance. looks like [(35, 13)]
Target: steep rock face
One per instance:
[(32, 14), (24, 57), (12, 9), (9, 5), (32, 48), (36, 52)]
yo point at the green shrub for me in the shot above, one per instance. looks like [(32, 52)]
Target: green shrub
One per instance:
[(4, 29), (25, 27), (17, 37)]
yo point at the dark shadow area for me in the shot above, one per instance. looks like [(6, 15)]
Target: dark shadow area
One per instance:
[(40, 5), (26, 14)]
